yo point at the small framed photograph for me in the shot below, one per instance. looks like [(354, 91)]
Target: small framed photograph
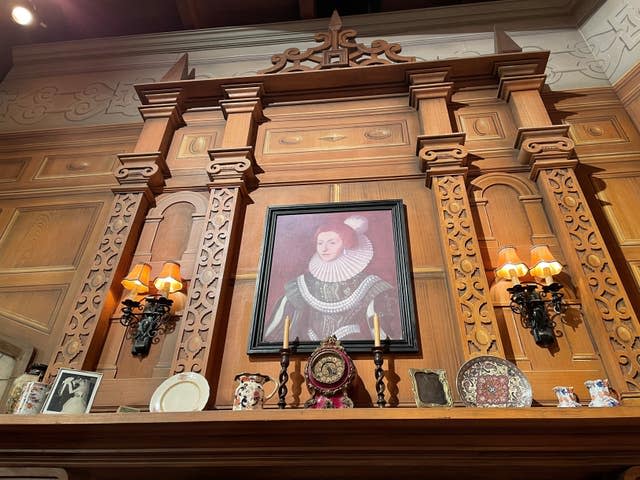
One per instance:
[(329, 269), (430, 388), (73, 391)]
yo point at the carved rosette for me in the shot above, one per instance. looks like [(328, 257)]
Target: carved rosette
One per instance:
[(84, 317), (611, 300), (479, 327)]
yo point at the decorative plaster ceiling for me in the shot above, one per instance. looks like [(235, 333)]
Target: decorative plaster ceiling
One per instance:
[(84, 19)]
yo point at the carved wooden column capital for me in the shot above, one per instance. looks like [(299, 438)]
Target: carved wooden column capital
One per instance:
[(233, 167), (141, 170), (545, 147), (442, 155)]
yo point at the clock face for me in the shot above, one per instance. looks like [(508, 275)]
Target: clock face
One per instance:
[(328, 368)]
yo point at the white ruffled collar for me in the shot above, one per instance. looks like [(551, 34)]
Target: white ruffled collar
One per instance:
[(346, 266)]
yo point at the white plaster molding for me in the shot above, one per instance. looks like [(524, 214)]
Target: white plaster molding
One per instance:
[(612, 36)]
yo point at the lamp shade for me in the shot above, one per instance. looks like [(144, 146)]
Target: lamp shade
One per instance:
[(169, 280), (509, 264), (138, 278), (543, 263)]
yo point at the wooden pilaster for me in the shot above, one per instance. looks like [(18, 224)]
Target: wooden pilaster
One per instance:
[(232, 173), (140, 176), (617, 330)]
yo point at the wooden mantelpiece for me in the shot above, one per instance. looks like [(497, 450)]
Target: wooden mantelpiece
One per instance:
[(531, 443)]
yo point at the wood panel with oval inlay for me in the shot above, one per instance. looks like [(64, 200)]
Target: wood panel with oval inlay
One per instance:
[(76, 165)]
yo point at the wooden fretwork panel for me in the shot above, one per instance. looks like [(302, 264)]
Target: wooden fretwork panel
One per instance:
[(171, 232), (510, 210)]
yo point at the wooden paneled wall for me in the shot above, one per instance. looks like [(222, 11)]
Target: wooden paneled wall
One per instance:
[(56, 195), (55, 192)]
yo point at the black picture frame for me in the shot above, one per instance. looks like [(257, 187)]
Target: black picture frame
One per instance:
[(281, 262)]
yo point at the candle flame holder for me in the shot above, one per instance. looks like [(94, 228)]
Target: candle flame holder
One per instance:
[(284, 377), (378, 360)]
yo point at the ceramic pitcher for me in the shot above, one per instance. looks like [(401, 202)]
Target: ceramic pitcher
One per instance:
[(566, 397), (250, 393), (600, 395)]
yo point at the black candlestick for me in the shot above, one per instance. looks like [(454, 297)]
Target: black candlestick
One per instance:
[(284, 377), (378, 360)]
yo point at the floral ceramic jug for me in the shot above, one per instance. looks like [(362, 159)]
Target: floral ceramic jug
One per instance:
[(600, 395), (566, 397), (250, 394)]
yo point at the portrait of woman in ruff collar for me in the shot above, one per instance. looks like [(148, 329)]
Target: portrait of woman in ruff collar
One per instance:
[(336, 295), (330, 273)]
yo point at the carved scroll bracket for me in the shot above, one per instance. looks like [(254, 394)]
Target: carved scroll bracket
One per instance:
[(444, 160), (139, 170), (442, 155), (546, 146), (233, 167), (603, 294), (338, 49)]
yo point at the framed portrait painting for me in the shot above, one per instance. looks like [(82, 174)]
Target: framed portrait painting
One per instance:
[(328, 269)]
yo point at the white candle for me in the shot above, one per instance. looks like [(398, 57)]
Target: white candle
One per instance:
[(287, 325), (376, 330)]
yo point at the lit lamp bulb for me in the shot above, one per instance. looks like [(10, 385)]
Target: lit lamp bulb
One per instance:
[(137, 280), (544, 265), (169, 280), (22, 15), (510, 266)]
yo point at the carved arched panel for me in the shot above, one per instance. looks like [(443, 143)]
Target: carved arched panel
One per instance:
[(509, 211), (171, 232)]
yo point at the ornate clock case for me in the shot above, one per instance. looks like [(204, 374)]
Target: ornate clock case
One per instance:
[(329, 374)]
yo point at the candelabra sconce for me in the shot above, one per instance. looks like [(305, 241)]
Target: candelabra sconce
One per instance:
[(531, 300), (145, 320)]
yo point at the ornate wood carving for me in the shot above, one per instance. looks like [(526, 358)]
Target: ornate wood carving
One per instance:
[(444, 160), (82, 323), (337, 50), (231, 172), (605, 288)]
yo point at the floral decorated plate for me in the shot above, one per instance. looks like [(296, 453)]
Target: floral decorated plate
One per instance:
[(493, 382)]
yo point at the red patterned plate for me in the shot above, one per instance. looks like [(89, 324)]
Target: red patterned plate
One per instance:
[(493, 382)]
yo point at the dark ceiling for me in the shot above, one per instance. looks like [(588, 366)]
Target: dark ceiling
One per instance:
[(82, 19)]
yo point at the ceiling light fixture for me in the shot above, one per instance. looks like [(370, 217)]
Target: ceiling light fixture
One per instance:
[(22, 15), (26, 15)]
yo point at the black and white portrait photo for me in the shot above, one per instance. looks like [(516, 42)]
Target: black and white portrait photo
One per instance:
[(72, 392)]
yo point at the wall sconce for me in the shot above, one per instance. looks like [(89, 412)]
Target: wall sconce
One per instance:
[(153, 316), (530, 300)]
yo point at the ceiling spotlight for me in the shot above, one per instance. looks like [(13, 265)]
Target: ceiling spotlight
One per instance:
[(22, 15)]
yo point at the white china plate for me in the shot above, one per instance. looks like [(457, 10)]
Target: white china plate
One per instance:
[(184, 392)]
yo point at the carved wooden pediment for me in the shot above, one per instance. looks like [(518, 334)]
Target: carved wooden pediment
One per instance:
[(337, 50)]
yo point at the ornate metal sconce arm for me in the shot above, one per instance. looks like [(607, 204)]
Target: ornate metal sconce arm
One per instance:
[(530, 302), (144, 325)]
